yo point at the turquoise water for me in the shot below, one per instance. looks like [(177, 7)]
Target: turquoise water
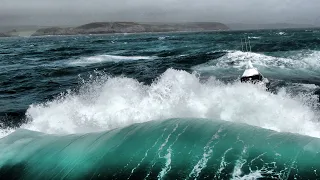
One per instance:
[(170, 149), (160, 106)]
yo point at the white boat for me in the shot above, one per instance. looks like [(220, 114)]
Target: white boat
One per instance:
[(252, 75)]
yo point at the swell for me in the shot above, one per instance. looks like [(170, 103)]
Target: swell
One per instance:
[(173, 149), (291, 44)]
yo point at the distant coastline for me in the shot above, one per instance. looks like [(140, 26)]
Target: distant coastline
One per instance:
[(12, 33), (122, 27), (129, 27), (97, 28)]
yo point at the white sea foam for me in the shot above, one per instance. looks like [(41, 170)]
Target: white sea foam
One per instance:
[(5, 132), (298, 61), (116, 102), (83, 61), (255, 37)]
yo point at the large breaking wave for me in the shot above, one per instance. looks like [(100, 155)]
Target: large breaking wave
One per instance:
[(112, 102), (171, 149)]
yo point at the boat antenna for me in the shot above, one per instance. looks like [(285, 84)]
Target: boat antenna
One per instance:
[(245, 41), (241, 45), (249, 44)]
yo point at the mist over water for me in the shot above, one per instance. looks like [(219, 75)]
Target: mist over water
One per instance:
[(55, 13)]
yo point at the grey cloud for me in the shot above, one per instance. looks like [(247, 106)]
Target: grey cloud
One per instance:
[(56, 12)]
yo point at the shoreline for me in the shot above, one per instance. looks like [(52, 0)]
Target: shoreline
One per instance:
[(108, 34)]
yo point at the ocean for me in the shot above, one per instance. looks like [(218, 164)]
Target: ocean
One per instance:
[(160, 106)]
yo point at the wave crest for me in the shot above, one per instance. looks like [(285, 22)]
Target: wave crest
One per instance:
[(238, 59), (119, 101), (106, 58)]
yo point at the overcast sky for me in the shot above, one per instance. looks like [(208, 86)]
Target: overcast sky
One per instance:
[(74, 12)]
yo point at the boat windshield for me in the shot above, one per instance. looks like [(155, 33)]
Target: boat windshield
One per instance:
[(257, 77)]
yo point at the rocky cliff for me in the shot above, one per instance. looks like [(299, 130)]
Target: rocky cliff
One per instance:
[(4, 35), (130, 27), (12, 33)]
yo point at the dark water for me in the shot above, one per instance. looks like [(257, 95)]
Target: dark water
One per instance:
[(66, 85)]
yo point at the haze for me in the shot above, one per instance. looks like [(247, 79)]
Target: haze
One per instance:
[(76, 12)]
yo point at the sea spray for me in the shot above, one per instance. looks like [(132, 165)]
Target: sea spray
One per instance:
[(115, 102)]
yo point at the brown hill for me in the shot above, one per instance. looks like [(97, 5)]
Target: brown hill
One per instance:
[(130, 27)]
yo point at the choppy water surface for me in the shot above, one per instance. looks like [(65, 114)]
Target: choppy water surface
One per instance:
[(70, 104)]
